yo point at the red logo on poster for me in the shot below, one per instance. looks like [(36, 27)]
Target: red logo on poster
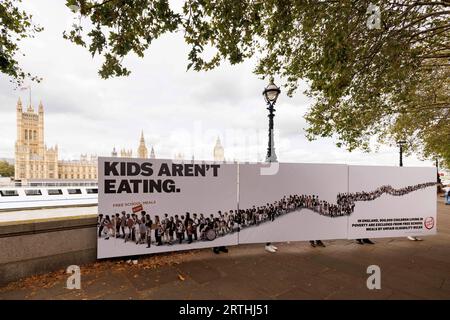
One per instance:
[(429, 223), (138, 208)]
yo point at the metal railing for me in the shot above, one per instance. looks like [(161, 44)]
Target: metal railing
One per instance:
[(17, 184)]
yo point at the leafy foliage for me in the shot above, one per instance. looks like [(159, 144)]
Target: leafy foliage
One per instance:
[(15, 25), (368, 84), (6, 169), (119, 27), (389, 83)]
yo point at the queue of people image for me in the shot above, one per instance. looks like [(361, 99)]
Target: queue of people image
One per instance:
[(140, 228), (345, 198)]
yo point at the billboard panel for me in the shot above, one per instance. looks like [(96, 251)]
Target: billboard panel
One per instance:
[(149, 206), (155, 205), (291, 202), (391, 201)]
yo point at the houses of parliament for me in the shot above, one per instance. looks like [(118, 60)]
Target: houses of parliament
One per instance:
[(34, 161)]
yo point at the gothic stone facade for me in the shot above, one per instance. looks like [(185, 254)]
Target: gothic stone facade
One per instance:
[(34, 161)]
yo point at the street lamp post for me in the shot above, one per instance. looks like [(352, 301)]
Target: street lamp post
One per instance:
[(437, 171), (270, 94), (400, 144)]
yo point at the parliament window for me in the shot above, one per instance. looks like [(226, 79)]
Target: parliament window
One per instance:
[(33, 192), (74, 191), (54, 192), (9, 193)]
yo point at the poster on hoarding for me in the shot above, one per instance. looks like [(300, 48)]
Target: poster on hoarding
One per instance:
[(391, 201), (291, 202), (155, 205)]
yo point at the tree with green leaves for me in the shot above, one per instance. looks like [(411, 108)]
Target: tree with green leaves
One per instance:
[(15, 25), (381, 83), (6, 169)]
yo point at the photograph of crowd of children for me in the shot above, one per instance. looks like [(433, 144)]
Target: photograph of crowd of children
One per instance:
[(139, 228)]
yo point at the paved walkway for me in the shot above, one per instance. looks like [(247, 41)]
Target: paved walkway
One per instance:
[(45, 214), (409, 270)]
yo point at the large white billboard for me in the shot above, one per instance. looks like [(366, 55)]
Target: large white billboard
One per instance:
[(150, 205), (392, 201), (291, 202)]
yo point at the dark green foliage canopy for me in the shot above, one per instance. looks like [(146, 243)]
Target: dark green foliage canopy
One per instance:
[(15, 25), (381, 84), (6, 169)]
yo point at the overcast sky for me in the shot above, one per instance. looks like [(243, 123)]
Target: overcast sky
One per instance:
[(179, 111)]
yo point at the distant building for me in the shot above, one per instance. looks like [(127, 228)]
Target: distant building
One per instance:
[(178, 156), (83, 169), (152, 154), (114, 152), (142, 151), (218, 152), (34, 161), (126, 153)]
